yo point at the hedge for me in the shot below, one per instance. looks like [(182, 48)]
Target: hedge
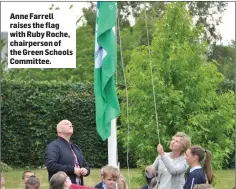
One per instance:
[(30, 112)]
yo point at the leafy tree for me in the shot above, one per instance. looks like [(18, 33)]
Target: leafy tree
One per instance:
[(207, 13), (84, 55), (89, 15), (3, 62), (225, 57), (185, 89)]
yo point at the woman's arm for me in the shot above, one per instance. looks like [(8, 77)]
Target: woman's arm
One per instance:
[(174, 168)]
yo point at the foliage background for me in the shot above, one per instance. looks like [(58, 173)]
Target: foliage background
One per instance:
[(187, 92), (30, 113)]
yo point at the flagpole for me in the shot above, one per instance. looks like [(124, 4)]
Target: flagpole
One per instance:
[(106, 100), (112, 146)]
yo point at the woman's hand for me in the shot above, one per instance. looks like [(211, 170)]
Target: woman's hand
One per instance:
[(160, 150)]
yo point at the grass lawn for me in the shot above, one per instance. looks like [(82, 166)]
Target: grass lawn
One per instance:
[(224, 178)]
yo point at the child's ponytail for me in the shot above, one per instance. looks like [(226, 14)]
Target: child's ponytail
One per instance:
[(207, 166)]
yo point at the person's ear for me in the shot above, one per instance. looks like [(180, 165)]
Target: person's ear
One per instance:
[(59, 129), (65, 183), (195, 157)]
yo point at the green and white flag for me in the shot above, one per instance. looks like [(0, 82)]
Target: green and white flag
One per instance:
[(107, 105)]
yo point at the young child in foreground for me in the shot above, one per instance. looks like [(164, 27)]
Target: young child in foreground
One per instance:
[(111, 177), (195, 155)]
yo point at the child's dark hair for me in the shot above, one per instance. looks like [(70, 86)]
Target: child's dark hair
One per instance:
[(200, 152)]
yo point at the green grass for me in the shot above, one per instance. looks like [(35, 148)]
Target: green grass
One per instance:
[(224, 178)]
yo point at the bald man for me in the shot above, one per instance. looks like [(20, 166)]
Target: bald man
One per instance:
[(63, 155)]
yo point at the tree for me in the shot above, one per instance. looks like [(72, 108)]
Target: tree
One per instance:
[(185, 89), (225, 57), (207, 13), (89, 15), (2, 62), (84, 55)]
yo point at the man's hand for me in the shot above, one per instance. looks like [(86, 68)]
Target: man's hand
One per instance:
[(77, 171), (83, 171)]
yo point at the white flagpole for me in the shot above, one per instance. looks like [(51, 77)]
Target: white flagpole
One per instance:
[(112, 146), (112, 140)]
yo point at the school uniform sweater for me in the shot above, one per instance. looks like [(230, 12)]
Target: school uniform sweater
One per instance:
[(196, 176)]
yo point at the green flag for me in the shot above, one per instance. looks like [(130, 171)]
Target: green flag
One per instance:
[(107, 105)]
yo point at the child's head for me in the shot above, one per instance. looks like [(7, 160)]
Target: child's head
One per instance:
[(26, 175), (195, 155), (60, 180), (32, 183), (203, 186), (2, 182), (110, 176)]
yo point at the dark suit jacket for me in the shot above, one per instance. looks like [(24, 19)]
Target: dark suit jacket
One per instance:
[(59, 157)]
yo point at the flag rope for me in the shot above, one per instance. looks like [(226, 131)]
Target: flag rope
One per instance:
[(126, 91), (151, 69), (127, 102)]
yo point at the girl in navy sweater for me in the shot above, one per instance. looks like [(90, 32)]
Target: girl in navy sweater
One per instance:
[(198, 175)]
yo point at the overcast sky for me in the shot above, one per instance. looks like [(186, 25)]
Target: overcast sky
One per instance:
[(227, 28)]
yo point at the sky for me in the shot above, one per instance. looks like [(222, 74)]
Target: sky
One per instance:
[(227, 28)]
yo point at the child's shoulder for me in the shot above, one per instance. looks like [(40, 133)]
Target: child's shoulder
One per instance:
[(197, 173)]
